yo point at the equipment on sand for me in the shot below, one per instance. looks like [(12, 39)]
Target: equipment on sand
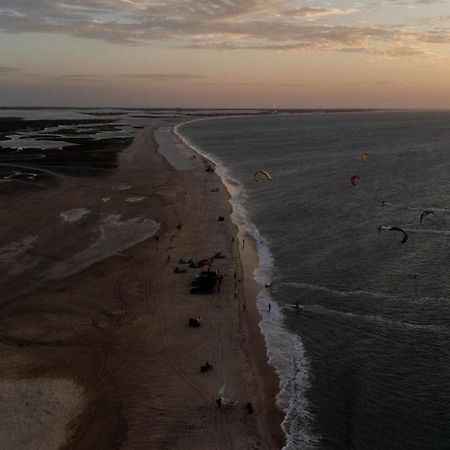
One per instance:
[(223, 401), (205, 367), (195, 323)]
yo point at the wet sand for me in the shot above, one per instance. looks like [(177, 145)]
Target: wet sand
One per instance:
[(116, 333)]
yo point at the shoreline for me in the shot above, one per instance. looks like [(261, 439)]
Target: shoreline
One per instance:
[(289, 366), (249, 262)]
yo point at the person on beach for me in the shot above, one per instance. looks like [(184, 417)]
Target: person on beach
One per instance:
[(243, 243), (269, 307)]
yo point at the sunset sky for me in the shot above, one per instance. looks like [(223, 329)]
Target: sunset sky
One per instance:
[(225, 53)]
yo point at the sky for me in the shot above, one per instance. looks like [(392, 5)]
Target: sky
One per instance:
[(225, 53)]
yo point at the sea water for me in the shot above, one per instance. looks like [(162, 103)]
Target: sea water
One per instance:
[(364, 361)]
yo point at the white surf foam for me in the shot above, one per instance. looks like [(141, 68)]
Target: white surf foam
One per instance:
[(378, 320), (284, 349)]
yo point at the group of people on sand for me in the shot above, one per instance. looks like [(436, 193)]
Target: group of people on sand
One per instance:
[(221, 401)]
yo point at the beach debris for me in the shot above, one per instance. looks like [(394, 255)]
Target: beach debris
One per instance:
[(178, 270), (353, 179), (195, 323), (425, 213), (216, 189), (257, 175), (206, 367), (219, 255), (209, 169), (268, 285), (221, 219)]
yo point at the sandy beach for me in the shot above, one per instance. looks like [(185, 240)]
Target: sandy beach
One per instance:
[(96, 352)]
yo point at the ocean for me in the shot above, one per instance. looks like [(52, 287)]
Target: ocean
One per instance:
[(364, 361)]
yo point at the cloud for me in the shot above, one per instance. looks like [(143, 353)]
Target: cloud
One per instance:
[(311, 12), (7, 70), (428, 2), (215, 24), (75, 77), (158, 77), (163, 76), (414, 2), (404, 52)]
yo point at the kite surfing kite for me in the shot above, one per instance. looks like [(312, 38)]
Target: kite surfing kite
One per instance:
[(405, 236), (353, 179), (364, 156), (262, 172), (425, 214)]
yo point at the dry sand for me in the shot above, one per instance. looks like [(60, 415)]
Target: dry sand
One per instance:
[(107, 352)]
